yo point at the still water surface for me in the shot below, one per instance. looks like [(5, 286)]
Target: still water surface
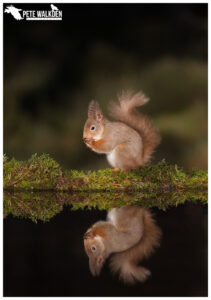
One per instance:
[(48, 258)]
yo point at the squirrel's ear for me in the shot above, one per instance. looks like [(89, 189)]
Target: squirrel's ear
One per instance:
[(94, 111), (91, 109), (99, 116), (99, 259), (88, 234)]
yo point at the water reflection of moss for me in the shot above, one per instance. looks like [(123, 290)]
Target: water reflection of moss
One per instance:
[(45, 205), (36, 206)]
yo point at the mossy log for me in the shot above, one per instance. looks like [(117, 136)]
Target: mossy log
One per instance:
[(38, 188), (44, 173)]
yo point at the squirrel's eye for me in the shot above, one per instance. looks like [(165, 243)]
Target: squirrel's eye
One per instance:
[(93, 248), (92, 127)]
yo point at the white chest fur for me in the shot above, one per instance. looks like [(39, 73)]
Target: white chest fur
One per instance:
[(112, 216), (111, 158)]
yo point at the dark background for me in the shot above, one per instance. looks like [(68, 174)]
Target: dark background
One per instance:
[(51, 72), (52, 69)]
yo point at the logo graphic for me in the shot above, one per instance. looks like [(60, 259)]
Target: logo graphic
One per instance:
[(53, 7), (14, 12), (35, 15)]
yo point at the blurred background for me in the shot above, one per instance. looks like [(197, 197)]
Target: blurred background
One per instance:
[(53, 69)]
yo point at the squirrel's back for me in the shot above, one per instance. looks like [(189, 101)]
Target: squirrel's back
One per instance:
[(126, 113), (126, 262)]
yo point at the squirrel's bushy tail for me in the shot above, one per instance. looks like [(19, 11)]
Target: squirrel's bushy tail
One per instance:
[(126, 112), (126, 263)]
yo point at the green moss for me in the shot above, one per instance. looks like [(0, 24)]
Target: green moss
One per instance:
[(44, 173), (160, 186), (39, 172)]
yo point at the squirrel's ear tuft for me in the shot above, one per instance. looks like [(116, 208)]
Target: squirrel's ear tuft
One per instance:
[(99, 116), (94, 111), (88, 234)]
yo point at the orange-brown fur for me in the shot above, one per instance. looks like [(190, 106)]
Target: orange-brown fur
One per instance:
[(100, 145), (129, 234), (126, 263), (129, 142)]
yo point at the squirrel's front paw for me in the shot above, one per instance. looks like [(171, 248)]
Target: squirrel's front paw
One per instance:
[(88, 142)]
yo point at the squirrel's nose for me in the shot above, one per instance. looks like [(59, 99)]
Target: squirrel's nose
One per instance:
[(84, 139)]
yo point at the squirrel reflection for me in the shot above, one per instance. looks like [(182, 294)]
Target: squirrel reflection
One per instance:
[(130, 235)]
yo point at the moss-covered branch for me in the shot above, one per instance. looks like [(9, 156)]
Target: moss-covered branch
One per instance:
[(38, 188), (44, 173)]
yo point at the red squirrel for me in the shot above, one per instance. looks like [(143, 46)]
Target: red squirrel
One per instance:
[(130, 235), (129, 141)]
